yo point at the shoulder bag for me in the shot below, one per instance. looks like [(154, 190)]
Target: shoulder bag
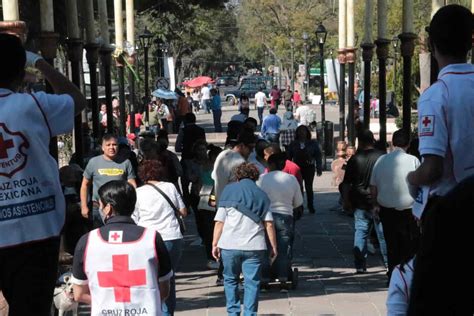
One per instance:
[(182, 226)]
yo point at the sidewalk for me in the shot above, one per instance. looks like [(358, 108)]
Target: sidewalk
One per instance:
[(323, 255)]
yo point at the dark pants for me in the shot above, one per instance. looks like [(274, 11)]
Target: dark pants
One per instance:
[(216, 115), (308, 177), (28, 275), (401, 235), (260, 114), (206, 221)]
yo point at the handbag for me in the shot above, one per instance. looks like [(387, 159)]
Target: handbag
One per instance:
[(207, 199), (182, 225)]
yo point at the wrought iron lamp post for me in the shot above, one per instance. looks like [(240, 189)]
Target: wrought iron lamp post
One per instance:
[(146, 42), (306, 70), (321, 35)]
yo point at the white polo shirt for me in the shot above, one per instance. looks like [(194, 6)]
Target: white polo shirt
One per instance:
[(445, 128), (283, 190), (389, 176)]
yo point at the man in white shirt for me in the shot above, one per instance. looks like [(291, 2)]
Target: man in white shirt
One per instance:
[(301, 114), (392, 200), (260, 101), (445, 110), (206, 98), (230, 158), (284, 193)]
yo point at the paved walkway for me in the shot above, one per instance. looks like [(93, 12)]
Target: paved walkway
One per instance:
[(323, 255)]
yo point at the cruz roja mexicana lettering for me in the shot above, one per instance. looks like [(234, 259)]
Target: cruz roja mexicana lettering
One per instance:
[(14, 184), (125, 312)]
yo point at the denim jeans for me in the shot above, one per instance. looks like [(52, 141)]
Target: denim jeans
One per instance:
[(285, 231), (249, 263), (216, 115), (364, 222), (273, 138), (206, 104), (174, 248)]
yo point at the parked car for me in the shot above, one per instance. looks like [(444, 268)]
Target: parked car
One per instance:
[(226, 81), (249, 88)]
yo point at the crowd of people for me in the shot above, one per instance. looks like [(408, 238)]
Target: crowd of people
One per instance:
[(122, 215)]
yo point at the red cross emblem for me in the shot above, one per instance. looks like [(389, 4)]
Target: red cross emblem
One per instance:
[(427, 126), (426, 121), (5, 144), (121, 278), (115, 236), (12, 151)]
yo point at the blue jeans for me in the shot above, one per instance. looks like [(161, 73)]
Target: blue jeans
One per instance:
[(249, 263), (364, 222), (273, 138), (206, 104), (216, 115), (285, 231), (174, 248)]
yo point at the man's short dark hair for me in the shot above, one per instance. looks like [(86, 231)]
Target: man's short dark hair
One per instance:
[(274, 148), (366, 137), (260, 147), (400, 138), (12, 58), (450, 31), (273, 111), (120, 195), (251, 121), (246, 137), (278, 161), (109, 136), (189, 118)]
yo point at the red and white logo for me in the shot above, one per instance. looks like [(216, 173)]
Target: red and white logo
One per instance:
[(12, 155), (427, 125), (121, 278), (115, 236)]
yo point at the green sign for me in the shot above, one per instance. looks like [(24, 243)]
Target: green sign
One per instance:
[(314, 72)]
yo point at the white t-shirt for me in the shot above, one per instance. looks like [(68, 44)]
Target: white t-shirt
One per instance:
[(445, 119), (31, 199), (153, 211), (398, 295), (283, 191), (205, 93), (389, 176), (301, 113), (239, 231), (260, 99), (223, 169)]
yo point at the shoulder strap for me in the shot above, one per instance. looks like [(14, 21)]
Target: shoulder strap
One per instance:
[(175, 209)]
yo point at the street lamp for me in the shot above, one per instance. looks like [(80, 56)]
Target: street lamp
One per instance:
[(321, 35), (164, 51), (145, 42), (292, 42), (306, 78), (395, 57)]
